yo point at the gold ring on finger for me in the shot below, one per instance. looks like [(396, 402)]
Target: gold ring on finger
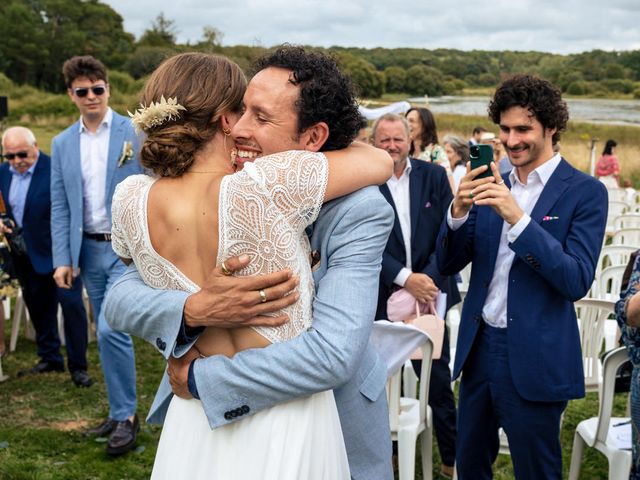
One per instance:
[(263, 296), (225, 271)]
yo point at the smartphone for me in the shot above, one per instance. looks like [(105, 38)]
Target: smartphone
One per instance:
[(481, 154)]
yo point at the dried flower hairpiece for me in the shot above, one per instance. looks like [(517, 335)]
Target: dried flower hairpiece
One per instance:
[(156, 113)]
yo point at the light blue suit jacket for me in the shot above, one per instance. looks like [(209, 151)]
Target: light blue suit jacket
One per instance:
[(66, 185), (350, 234)]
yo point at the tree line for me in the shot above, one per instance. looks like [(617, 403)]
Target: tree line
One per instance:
[(37, 36)]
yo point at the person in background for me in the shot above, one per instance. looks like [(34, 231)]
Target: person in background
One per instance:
[(475, 136), (363, 132), (88, 160), (608, 167), (533, 238), (420, 195), (457, 151), (423, 134), (25, 186), (628, 317)]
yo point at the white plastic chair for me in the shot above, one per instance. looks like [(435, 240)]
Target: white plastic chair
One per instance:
[(626, 236), (609, 282), (20, 314), (594, 432), (615, 209), (626, 220), (410, 418), (617, 195), (610, 256), (592, 315)]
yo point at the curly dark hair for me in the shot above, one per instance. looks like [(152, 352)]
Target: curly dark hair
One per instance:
[(326, 94), (539, 96)]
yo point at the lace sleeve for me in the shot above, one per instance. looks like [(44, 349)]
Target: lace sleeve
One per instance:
[(123, 210), (296, 181)]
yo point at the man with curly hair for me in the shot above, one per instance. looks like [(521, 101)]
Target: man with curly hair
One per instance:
[(297, 100), (533, 237)]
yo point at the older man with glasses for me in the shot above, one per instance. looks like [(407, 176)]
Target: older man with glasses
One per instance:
[(24, 186), (88, 160)]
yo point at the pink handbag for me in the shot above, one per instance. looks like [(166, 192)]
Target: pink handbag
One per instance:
[(402, 306)]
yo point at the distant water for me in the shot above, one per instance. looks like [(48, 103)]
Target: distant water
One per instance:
[(615, 112)]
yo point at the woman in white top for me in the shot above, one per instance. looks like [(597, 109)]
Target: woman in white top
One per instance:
[(194, 211)]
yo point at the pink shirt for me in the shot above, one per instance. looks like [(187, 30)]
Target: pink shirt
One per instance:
[(607, 165)]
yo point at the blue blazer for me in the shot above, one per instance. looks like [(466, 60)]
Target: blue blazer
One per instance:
[(66, 185), (554, 265), (429, 195), (36, 220)]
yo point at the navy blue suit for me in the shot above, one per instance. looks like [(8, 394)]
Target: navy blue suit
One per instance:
[(429, 197), (540, 358), (35, 273)]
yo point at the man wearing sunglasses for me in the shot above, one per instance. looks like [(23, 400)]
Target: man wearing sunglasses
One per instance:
[(88, 160), (24, 184)]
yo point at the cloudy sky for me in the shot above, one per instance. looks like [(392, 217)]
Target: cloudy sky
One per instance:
[(560, 26)]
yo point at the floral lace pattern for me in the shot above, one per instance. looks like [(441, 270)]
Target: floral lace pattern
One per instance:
[(263, 212)]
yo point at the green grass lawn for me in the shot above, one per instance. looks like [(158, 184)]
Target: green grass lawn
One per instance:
[(42, 419)]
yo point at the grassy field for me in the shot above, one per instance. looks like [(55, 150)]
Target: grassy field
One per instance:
[(42, 420)]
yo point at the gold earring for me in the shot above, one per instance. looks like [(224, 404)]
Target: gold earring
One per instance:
[(226, 131)]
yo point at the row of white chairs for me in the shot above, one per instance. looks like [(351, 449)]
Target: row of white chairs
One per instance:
[(621, 195)]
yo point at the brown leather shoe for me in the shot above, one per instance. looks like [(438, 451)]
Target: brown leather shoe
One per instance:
[(123, 438), (102, 430)]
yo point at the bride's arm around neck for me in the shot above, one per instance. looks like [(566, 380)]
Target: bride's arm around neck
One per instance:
[(355, 167)]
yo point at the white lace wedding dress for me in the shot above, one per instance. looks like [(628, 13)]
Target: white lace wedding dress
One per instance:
[(263, 211)]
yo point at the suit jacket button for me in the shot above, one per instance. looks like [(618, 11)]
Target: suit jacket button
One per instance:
[(477, 318), (160, 344)]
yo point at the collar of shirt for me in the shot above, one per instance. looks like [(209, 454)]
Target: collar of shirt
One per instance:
[(30, 171), (405, 172), (106, 121), (543, 172)]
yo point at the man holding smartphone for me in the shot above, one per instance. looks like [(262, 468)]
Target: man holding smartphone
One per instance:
[(534, 237)]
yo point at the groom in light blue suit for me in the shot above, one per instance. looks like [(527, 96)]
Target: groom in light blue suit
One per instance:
[(348, 239), (88, 160)]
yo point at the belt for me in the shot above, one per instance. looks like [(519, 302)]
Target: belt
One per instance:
[(99, 237)]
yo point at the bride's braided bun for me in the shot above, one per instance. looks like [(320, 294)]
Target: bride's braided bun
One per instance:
[(207, 86)]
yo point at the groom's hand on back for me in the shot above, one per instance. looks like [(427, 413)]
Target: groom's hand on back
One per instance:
[(227, 301)]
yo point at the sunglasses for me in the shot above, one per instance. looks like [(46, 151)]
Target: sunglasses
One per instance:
[(84, 91), (11, 156)]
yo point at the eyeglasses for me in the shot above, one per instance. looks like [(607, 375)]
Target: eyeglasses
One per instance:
[(84, 91), (11, 156)]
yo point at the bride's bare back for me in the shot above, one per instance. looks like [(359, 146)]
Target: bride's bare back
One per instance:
[(182, 216)]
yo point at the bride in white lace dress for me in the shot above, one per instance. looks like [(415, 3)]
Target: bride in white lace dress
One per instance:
[(193, 213)]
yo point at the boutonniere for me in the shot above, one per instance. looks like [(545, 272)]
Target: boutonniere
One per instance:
[(127, 153)]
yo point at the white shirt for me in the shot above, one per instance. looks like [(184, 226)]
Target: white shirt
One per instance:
[(399, 188), (94, 153), (526, 196)]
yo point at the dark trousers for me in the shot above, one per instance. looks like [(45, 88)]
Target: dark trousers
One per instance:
[(488, 400), (41, 297), (442, 402)]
